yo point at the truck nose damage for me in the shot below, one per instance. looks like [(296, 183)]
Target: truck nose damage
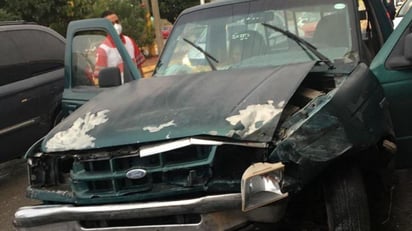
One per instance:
[(275, 136)]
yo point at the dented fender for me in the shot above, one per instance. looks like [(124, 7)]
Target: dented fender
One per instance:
[(349, 119)]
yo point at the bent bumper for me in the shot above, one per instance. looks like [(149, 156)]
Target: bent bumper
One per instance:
[(219, 212)]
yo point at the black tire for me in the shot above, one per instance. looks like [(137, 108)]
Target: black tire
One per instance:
[(346, 200)]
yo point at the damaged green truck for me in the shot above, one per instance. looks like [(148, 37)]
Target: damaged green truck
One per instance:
[(260, 114)]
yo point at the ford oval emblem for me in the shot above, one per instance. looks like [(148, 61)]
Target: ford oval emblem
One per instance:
[(135, 174)]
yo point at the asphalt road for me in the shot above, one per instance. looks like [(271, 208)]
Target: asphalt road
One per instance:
[(400, 218), (13, 183)]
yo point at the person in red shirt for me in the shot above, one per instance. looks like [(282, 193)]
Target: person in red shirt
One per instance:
[(107, 54)]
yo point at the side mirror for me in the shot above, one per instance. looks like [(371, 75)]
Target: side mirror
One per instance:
[(110, 77)]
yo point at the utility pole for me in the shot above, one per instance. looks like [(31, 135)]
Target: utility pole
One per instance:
[(156, 21), (149, 26)]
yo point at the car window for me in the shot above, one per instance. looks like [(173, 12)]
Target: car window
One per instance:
[(92, 52), (41, 50), (239, 36), (12, 64), (83, 58)]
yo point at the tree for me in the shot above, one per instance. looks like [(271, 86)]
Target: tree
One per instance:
[(170, 9), (132, 16), (6, 16), (56, 14)]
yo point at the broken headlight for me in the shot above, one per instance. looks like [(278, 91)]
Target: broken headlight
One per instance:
[(261, 185)]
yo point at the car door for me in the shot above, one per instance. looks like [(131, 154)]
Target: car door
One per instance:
[(13, 103), (393, 68), (83, 40), (31, 88)]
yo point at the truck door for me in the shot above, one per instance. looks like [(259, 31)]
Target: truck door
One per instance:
[(393, 67), (82, 74)]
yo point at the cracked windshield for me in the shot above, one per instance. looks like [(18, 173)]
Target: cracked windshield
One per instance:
[(248, 35)]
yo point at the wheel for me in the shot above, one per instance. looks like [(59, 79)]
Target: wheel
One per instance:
[(346, 200)]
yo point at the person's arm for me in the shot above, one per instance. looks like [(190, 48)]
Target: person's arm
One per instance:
[(139, 58)]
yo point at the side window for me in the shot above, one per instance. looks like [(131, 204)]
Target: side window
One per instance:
[(400, 57), (42, 51), (12, 63), (93, 52)]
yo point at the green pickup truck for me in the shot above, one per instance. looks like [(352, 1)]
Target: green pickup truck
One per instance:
[(261, 114)]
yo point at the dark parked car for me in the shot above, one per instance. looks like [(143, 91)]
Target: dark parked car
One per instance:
[(31, 84)]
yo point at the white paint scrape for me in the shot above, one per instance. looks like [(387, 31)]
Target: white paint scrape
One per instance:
[(75, 137), (154, 128), (254, 115)]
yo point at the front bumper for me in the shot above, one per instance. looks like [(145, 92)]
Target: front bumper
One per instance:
[(219, 212)]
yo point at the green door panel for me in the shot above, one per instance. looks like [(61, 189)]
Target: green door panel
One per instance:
[(394, 72), (83, 37)]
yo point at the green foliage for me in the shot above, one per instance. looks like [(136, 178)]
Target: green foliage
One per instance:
[(58, 13), (170, 9), (132, 16), (73, 10), (6, 16)]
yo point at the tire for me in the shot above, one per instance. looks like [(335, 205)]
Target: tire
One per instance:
[(346, 200)]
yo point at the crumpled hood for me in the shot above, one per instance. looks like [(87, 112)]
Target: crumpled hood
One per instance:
[(240, 104)]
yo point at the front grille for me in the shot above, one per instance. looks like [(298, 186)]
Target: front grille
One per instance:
[(176, 170), (99, 176)]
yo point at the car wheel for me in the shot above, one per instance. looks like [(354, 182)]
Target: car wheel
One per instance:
[(346, 200)]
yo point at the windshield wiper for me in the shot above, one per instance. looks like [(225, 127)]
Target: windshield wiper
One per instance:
[(208, 56), (300, 42)]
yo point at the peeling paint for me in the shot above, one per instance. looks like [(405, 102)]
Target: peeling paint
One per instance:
[(75, 137), (213, 133), (254, 117), (154, 128)]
